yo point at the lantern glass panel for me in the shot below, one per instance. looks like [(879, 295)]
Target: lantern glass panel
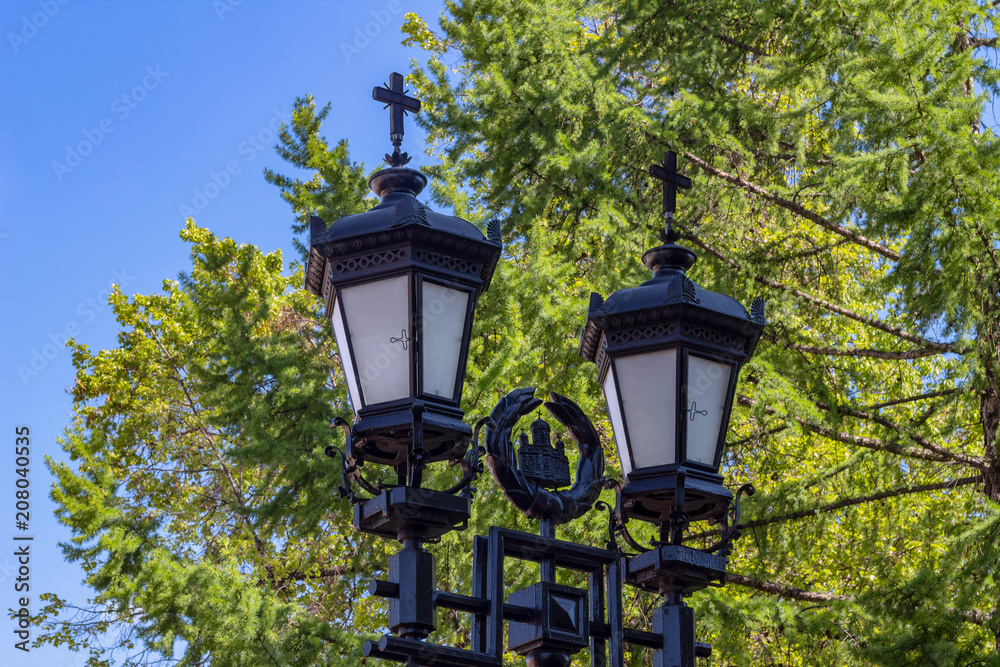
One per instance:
[(346, 359), (707, 386), (444, 313), (617, 426), (377, 317), (647, 386)]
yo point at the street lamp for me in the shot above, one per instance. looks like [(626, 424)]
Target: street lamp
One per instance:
[(669, 353), (401, 283)]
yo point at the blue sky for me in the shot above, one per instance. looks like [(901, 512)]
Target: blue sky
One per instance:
[(118, 119)]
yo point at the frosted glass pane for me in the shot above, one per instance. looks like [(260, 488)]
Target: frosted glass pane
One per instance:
[(377, 316), (648, 387), (615, 414), (707, 384), (444, 311), (345, 355)]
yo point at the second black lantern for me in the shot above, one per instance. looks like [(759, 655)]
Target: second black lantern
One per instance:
[(669, 353)]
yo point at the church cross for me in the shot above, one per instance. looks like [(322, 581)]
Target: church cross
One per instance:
[(398, 103), (667, 172)]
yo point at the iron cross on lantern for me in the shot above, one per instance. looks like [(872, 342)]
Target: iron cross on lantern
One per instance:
[(398, 103)]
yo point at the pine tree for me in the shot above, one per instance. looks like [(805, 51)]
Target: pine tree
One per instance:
[(841, 170)]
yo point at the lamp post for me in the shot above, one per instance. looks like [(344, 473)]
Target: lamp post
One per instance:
[(400, 284), (669, 353)]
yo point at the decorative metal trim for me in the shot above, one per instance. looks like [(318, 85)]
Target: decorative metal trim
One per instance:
[(470, 249), (349, 473), (757, 315), (409, 211), (361, 262), (472, 467), (494, 231), (451, 263), (471, 464), (623, 336), (622, 527), (732, 531), (682, 290), (711, 336)]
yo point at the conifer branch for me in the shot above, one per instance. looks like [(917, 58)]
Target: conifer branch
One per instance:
[(929, 452), (724, 39), (860, 500), (974, 616), (801, 211), (822, 303), (881, 421), (323, 573), (784, 590), (918, 353), (977, 42), (911, 399), (937, 454), (192, 405)]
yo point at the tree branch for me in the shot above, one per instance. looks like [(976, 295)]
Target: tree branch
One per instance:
[(889, 424), (911, 399), (785, 591), (322, 573), (936, 453), (795, 208), (850, 502), (876, 324), (919, 353), (974, 616)]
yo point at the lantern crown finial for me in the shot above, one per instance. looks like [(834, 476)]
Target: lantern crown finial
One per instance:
[(672, 179), (669, 257)]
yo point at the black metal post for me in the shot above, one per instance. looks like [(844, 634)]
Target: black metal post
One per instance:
[(411, 613), (674, 622)]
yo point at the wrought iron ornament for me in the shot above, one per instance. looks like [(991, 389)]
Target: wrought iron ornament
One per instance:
[(541, 461), (526, 489)]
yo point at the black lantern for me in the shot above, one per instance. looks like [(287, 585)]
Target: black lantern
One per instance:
[(401, 283), (669, 353)]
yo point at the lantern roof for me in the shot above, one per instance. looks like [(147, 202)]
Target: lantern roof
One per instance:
[(399, 218), (669, 294), (398, 188)]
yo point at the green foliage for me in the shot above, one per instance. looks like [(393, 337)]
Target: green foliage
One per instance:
[(841, 171), (203, 508)]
